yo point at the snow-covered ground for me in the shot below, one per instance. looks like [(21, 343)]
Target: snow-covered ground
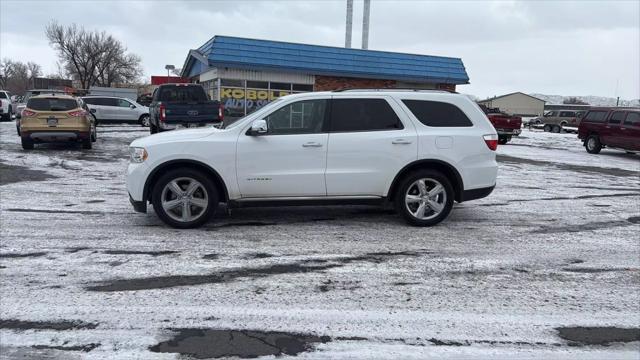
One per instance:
[(556, 245)]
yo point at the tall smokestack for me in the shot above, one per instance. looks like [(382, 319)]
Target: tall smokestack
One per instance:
[(347, 35), (365, 24)]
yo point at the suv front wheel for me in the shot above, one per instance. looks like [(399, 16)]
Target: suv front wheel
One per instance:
[(184, 198), (425, 197), (593, 145)]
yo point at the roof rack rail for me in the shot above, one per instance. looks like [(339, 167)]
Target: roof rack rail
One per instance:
[(394, 89)]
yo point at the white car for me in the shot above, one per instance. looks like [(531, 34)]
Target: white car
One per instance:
[(417, 150), (117, 110), (7, 108)]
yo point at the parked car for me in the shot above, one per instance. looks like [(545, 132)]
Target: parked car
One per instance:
[(506, 125), (56, 118), (108, 109), (183, 105), (559, 120), (23, 102), (6, 106), (144, 99), (611, 127), (417, 150)]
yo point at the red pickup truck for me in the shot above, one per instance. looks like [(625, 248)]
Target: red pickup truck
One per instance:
[(611, 127), (506, 125)]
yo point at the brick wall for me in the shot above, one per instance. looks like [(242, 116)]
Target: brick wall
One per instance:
[(325, 83)]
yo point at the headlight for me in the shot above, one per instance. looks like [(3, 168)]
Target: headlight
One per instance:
[(138, 154)]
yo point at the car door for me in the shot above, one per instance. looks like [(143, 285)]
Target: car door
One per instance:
[(368, 145), (290, 159), (125, 110), (613, 135), (631, 131)]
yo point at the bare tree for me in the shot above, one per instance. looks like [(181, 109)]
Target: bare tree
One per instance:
[(93, 57), (574, 101), (17, 76)]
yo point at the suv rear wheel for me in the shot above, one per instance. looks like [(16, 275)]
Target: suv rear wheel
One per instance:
[(592, 144), (425, 197), (27, 144), (547, 128), (184, 198)]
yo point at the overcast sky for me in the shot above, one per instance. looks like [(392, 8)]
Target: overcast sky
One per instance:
[(555, 47)]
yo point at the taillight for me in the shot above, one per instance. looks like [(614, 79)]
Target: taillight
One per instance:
[(220, 112), (163, 114), (27, 113), (491, 140), (78, 113)]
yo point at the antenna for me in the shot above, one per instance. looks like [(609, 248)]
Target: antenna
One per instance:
[(347, 34), (365, 24)]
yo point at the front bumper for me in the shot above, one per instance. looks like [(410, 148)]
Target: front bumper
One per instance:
[(139, 206)]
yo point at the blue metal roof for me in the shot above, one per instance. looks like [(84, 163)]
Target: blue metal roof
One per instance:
[(326, 60)]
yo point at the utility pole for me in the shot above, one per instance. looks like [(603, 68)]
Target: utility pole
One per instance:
[(349, 25), (365, 24)]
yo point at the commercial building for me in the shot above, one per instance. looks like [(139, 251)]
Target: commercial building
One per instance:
[(245, 74), (516, 103)]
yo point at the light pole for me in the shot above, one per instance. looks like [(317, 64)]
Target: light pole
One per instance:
[(169, 68)]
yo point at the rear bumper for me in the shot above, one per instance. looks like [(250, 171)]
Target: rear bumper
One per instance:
[(139, 206), (54, 136), (474, 194)]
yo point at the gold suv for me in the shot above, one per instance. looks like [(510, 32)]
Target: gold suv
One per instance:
[(56, 118)]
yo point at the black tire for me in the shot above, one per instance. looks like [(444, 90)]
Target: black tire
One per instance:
[(145, 120), (87, 143), (592, 144), (94, 133), (153, 129), (18, 127), (407, 184), (95, 120), (547, 128), (185, 173), (503, 140), (27, 144), (556, 129)]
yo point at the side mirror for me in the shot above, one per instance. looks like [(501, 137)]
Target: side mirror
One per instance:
[(93, 111), (258, 127), (132, 106)]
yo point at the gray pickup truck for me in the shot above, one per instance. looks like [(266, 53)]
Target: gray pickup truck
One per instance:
[(182, 105)]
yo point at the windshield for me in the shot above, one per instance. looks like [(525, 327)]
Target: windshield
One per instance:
[(266, 108)]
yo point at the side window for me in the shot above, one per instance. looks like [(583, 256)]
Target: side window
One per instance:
[(617, 117), (633, 118), (438, 114), (123, 103), (363, 115), (595, 116), (108, 102), (302, 117), (567, 114)]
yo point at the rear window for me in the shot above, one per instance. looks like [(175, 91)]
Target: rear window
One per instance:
[(633, 119), (595, 116), (363, 115), (438, 114), (617, 117), (52, 104), (183, 94), (3, 95)]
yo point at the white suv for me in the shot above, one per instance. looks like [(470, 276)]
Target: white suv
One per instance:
[(417, 150), (114, 109)]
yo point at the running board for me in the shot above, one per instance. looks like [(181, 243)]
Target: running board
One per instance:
[(306, 201)]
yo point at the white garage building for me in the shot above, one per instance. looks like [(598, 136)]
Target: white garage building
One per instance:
[(516, 103)]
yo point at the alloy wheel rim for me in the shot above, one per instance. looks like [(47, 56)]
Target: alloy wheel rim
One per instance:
[(184, 199), (145, 121), (425, 198), (591, 144)]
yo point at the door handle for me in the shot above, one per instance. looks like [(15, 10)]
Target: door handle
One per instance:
[(401, 142), (312, 144)]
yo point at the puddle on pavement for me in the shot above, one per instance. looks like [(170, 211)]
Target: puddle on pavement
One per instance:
[(596, 225), (588, 270), (45, 325), (21, 255), (598, 335), (206, 344), (259, 255), (305, 266), (13, 173), (135, 252), (83, 348), (211, 256), (53, 211), (577, 168)]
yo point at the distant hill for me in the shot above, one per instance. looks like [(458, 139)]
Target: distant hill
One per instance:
[(591, 100)]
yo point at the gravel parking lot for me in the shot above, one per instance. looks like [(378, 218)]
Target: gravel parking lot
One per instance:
[(546, 266)]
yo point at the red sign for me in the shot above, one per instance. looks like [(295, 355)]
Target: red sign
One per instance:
[(159, 80)]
